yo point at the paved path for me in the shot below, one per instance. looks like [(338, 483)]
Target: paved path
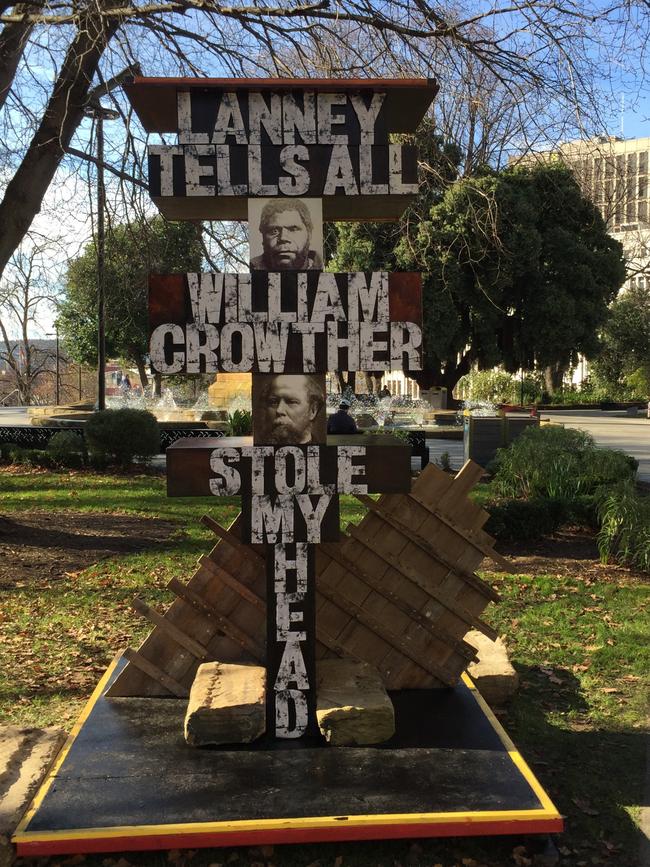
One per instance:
[(13, 415), (613, 430), (609, 429)]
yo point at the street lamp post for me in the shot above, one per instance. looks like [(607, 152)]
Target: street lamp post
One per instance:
[(57, 387), (99, 114), (56, 332)]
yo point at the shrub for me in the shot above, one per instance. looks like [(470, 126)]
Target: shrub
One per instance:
[(624, 534), (67, 449), (497, 386), (558, 463), (239, 424), (16, 454), (525, 520), (120, 435)]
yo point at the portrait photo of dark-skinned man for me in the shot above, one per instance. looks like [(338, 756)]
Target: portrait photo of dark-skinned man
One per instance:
[(289, 409), (289, 234)]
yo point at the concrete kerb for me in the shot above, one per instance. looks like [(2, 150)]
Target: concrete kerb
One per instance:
[(26, 755)]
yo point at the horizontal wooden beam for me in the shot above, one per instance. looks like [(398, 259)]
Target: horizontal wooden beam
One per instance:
[(473, 580), (451, 604), (151, 670), (164, 623), (230, 630)]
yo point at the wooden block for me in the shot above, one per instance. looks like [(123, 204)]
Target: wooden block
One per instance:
[(227, 704), (352, 708), (493, 673)]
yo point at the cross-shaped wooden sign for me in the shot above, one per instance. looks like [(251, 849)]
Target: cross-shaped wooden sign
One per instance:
[(285, 154)]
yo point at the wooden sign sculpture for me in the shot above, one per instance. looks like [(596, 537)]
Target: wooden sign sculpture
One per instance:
[(286, 595), (296, 152)]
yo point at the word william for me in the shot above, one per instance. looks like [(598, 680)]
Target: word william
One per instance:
[(341, 323)]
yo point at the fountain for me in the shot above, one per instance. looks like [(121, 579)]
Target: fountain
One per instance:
[(480, 408), (370, 411)]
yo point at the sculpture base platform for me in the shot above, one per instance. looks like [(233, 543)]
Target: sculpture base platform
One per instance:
[(127, 781)]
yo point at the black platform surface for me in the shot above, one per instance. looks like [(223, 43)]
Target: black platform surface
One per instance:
[(129, 778)]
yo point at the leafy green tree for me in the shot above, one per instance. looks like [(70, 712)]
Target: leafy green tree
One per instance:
[(133, 250), (518, 270), (624, 358), (375, 246)]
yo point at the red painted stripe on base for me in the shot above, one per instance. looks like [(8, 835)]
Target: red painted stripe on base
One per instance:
[(62, 846)]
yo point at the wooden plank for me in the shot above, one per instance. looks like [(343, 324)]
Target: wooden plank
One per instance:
[(152, 671), (233, 632), (229, 537), (190, 471), (462, 647), (438, 489), (451, 604), (232, 582), (447, 546), (467, 534), (356, 612), (158, 619), (467, 477), (177, 662), (469, 577)]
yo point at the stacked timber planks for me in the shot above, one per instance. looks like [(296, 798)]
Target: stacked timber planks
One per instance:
[(399, 592)]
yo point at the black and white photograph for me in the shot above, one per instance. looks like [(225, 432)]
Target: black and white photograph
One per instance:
[(285, 234), (289, 409)]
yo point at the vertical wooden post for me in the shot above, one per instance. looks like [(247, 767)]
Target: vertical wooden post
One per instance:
[(288, 404)]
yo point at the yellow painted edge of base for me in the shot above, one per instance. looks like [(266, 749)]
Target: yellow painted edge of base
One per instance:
[(548, 810), (358, 821), (513, 752), (56, 765)]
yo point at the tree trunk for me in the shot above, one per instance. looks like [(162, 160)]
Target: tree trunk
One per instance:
[(448, 378), (142, 371), (157, 385), (553, 377), (13, 41), (24, 193)]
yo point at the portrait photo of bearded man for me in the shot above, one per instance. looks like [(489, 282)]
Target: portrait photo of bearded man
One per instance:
[(288, 409), (290, 240)]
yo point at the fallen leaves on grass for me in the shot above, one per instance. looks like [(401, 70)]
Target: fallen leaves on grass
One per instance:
[(552, 676), (584, 805), (520, 857)]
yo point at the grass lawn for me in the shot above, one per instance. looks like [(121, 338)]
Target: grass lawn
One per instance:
[(580, 641)]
